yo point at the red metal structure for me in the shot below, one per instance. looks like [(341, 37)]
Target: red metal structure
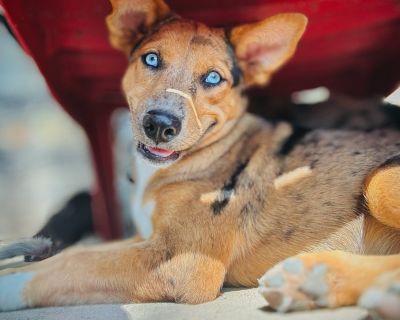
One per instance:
[(352, 46)]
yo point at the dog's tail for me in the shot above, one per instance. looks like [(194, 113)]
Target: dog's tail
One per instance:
[(34, 247)]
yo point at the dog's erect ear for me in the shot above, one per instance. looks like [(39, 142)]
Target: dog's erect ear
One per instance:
[(131, 19), (262, 47)]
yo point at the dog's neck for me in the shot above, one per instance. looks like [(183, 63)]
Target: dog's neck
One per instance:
[(195, 165), (198, 163), (142, 211)]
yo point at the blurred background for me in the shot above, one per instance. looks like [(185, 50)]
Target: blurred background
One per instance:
[(349, 57), (44, 157)]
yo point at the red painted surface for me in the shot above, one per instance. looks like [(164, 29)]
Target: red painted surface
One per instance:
[(352, 46)]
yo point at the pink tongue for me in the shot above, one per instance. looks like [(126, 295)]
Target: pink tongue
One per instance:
[(160, 152)]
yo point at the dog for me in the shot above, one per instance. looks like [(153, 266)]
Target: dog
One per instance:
[(221, 195)]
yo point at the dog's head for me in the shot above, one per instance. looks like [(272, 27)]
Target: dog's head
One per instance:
[(185, 80)]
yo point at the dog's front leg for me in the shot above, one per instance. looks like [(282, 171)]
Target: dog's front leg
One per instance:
[(129, 272)]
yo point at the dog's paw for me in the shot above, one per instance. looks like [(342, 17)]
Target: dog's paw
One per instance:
[(293, 286), (382, 299), (12, 287), (317, 280)]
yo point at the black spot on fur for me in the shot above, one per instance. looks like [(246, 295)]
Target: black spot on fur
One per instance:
[(247, 209), (393, 113), (129, 177), (261, 200), (219, 205), (200, 40), (393, 161), (294, 139), (137, 45), (235, 70), (249, 184), (193, 89), (69, 224), (361, 206), (288, 234), (313, 163), (236, 73), (314, 138), (168, 255), (172, 282), (356, 153), (151, 31), (354, 173), (227, 190)]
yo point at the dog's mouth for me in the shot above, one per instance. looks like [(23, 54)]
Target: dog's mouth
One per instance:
[(157, 155)]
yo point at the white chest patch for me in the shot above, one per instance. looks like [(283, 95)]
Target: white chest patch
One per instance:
[(11, 290), (141, 211)]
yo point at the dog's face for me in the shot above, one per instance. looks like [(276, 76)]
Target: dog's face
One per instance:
[(182, 86), (185, 80)]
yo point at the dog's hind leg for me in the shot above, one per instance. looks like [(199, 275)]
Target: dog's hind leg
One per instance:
[(382, 193), (322, 279)]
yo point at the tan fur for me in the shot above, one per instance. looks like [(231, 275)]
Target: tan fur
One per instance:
[(291, 177), (280, 43), (219, 217), (186, 96), (383, 194)]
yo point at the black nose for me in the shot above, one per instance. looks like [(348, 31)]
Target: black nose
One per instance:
[(160, 126)]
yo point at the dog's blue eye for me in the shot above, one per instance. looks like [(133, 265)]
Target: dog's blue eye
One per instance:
[(152, 60), (212, 78)]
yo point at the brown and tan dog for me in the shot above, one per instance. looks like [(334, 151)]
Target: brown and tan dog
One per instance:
[(221, 195)]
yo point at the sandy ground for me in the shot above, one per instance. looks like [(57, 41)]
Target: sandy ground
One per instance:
[(232, 304)]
